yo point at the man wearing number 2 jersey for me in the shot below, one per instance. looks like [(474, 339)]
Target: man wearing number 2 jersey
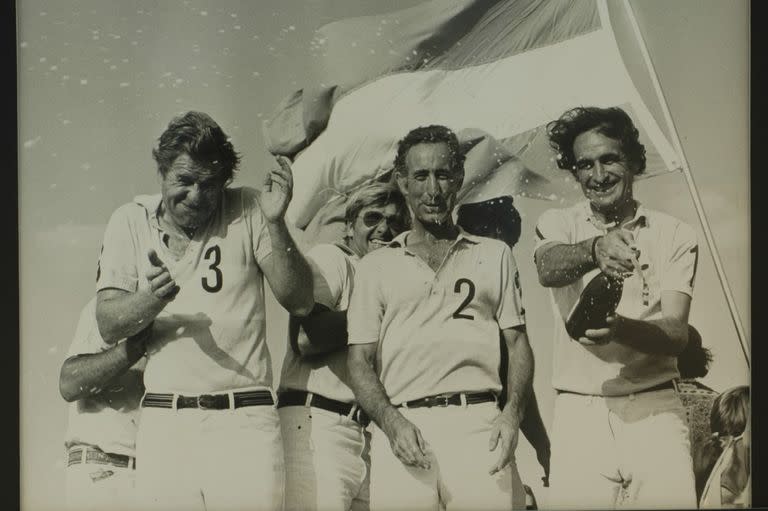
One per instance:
[(191, 263), (423, 324)]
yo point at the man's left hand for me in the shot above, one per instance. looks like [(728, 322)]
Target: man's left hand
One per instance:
[(600, 336), (277, 191), (504, 431)]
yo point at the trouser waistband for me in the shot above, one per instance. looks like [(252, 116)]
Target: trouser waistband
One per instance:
[(669, 384), (89, 454), (218, 401), (304, 398), (457, 399)]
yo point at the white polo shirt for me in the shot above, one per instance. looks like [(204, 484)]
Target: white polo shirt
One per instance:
[(437, 332), (333, 271), (668, 254), (211, 337), (109, 419)]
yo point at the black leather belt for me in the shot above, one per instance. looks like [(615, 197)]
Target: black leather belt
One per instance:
[(472, 398), (208, 401), (669, 384), (87, 454), (299, 398)]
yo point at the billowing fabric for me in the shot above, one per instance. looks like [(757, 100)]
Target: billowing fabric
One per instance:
[(394, 72)]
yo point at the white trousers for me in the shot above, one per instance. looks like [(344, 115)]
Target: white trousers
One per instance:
[(327, 460), (100, 487), (221, 460), (457, 438), (621, 452)]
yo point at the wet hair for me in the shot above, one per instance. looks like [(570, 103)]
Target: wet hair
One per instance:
[(375, 194), (730, 412), (694, 360), (433, 134), (612, 122), (199, 136), (495, 218)]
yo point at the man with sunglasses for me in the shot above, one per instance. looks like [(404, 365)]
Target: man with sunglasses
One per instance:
[(424, 356), (326, 443), (619, 435)]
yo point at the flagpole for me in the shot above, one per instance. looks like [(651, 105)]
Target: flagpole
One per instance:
[(691, 186)]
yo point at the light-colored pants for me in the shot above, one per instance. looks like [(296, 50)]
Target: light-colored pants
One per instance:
[(327, 461), (457, 438), (194, 459), (621, 452), (100, 487)]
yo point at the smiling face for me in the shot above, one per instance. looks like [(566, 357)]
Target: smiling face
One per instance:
[(374, 227), (190, 193), (430, 184), (603, 172)]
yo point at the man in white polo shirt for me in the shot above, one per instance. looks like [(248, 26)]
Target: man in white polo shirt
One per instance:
[(327, 459), (424, 322), (193, 260), (103, 384), (619, 436)]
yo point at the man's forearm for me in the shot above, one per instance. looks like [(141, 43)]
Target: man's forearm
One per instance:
[(292, 278), (561, 264), (368, 390), (664, 336), (88, 374), (520, 377), (121, 314), (532, 425)]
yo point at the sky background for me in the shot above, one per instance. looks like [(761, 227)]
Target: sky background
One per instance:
[(99, 80)]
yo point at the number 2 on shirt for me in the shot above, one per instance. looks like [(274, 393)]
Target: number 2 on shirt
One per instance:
[(457, 288), (214, 253)]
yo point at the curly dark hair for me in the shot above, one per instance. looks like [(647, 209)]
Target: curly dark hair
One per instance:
[(694, 360), (494, 218), (199, 136), (611, 122), (433, 134)]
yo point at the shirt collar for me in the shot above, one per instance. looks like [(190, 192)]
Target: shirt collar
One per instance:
[(640, 219), (152, 204), (399, 241)]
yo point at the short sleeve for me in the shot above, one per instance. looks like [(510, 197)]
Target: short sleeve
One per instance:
[(117, 266), (680, 271), (366, 307), (260, 240), (329, 274), (87, 338), (552, 226), (510, 311)]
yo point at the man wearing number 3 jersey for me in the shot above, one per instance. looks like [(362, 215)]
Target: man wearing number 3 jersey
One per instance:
[(191, 263), (424, 322)]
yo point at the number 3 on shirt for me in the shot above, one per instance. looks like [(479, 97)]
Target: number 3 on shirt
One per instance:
[(467, 300), (214, 253)]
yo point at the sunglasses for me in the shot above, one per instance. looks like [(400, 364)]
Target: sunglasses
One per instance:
[(374, 218)]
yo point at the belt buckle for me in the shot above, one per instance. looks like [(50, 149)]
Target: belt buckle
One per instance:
[(206, 401), (441, 401)]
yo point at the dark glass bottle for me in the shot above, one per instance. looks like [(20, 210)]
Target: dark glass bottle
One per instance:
[(599, 298)]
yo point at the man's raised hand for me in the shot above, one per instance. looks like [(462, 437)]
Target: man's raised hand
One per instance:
[(276, 193), (161, 283)]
